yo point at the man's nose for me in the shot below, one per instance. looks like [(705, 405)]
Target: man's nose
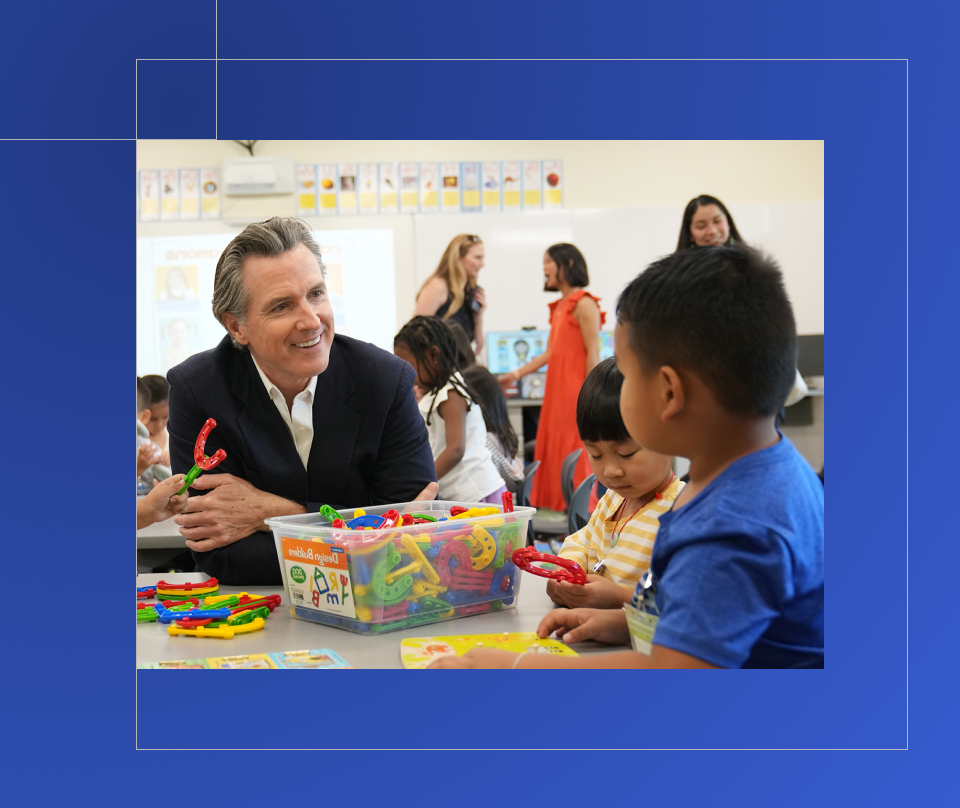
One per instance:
[(309, 319)]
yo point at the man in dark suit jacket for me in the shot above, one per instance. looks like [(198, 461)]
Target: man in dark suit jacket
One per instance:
[(369, 444)]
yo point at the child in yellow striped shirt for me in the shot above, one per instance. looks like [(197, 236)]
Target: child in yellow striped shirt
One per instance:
[(615, 547)]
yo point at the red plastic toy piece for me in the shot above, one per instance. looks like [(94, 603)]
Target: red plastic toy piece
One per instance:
[(473, 608), (471, 581), (168, 603), (392, 518), (188, 623), (206, 463), (456, 510), (569, 572), (454, 549), (507, 502), (210, 584), (408, 519), (150, 593), (339, 523)]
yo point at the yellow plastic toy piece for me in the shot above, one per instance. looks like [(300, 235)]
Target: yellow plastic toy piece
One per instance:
[(221, 632), (359, 512), (364, 614), (360, 590), (487, 548), (217, 598), (166, 594), (412, 567), (421, 588), (492, 522), (476, 512), (414, 551)]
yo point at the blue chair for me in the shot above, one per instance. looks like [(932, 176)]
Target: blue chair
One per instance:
[(578, 511), (567, 469)]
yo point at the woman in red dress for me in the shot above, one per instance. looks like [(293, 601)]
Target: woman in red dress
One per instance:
[(572, 351)]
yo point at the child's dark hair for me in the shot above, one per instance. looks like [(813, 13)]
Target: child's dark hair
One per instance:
[(143, 395), (722, 313), (433, 345), (598, 405), (465, 355), (493, 405), (572, 264), (158, 386)]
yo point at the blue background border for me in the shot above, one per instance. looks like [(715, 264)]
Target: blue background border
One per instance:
[(858, 108)]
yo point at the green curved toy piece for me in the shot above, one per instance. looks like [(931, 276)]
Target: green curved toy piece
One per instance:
[(389, 594), (425, 516), (188, 480), (507, 536), (330, 513), (147, 615), (376, 628), (435, 607), (249, 617)]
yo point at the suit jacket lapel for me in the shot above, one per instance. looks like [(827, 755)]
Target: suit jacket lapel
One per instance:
[(336, 428)]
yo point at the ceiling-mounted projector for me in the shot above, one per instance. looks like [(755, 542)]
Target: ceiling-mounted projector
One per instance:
[(246, 176)]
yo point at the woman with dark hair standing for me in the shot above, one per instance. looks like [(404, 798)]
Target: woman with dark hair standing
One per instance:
[(452, 293), (573, 350), (707, 223)]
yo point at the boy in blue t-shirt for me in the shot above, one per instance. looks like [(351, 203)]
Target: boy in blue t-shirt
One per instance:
[(706, 342)]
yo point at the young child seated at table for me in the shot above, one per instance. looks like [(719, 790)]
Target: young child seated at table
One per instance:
[(614, 548), (707, 345)]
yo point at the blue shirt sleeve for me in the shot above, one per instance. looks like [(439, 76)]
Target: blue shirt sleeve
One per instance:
[(718, 595)]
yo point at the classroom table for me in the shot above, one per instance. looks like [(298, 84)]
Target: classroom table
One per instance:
[(285, 633)]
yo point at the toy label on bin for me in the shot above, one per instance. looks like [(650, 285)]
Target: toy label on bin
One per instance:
[(318, 577)]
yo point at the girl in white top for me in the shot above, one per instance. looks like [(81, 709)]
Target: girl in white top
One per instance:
[(458, 436)]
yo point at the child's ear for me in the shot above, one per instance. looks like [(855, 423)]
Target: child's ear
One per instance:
[(144, 416), (673, 396)]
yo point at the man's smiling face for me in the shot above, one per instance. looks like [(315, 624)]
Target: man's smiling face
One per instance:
[(289, 319)]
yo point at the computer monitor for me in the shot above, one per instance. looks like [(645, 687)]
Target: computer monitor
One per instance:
[(810, 355), (510, 350)]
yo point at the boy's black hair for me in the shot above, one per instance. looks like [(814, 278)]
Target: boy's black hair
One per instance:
[(158, 386), (465, 355), (722, 313), (143, 396), (493, 405), (422, 334), (598, 405)]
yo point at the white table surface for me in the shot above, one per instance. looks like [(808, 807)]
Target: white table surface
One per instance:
[(285, 633), (161, 535)]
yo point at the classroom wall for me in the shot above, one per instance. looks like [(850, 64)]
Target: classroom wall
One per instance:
[(597, 175)]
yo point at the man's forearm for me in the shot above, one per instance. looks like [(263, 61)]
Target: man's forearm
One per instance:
[(270, 505)]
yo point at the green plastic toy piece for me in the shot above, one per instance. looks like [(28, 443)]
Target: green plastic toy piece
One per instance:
[(425, 516), (376, 628), (506, 537), (389, 594), (330, 513), (433, 606), (148, 615), (249, 617), (420, 618)]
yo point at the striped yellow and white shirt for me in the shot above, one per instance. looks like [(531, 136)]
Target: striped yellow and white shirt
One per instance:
[(630, 559)]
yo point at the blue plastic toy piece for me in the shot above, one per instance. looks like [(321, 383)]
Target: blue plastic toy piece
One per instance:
[(368, 520), (146, 588), (507, 570), (361, 572), (167, 616), (459, 598)]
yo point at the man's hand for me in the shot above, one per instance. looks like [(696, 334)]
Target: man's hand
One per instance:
[(476, 658), (577, 625), (597, 593), (428, 494), (231, 511), (147, 455)]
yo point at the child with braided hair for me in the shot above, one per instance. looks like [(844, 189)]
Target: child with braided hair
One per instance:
[(458, 435)]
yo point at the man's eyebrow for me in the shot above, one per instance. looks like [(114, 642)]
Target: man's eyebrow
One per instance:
[(277, 300)]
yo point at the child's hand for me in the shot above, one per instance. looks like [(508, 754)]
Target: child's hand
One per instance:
[(577, 625), (147, 455), (476, 658), (162, 502), (597, 593)]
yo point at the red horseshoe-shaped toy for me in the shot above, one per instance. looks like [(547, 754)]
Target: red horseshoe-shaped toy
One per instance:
[(569, 572), (202, 463)]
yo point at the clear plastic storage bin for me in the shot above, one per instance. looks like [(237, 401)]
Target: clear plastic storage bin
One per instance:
[(382, 579)]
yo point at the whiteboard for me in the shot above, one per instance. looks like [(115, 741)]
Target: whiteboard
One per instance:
[(618, 244), (175, 285)]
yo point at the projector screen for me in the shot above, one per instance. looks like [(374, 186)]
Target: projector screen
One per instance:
[(175, 287)]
